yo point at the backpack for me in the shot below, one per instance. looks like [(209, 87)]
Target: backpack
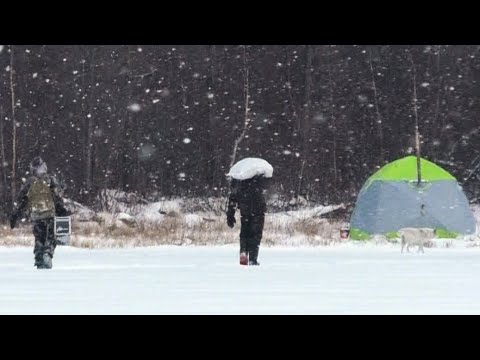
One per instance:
[(40, 199)]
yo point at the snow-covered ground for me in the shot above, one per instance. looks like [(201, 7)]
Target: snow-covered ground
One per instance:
[(305, 269), (346, 278)]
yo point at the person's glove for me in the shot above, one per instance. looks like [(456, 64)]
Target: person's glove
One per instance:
[(61, 211), (13, 220), (231, 220)]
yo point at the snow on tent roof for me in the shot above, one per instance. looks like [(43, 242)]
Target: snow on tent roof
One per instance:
[(250, 167)]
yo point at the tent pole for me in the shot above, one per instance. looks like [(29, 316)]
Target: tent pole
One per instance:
[(419, 170)]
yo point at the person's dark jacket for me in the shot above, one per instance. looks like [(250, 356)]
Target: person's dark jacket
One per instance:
[(248, 196), (22, 199)]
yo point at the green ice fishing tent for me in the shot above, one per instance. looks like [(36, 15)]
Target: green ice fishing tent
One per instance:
[(392, 199)]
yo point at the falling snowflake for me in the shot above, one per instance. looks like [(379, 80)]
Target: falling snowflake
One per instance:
[(210, 95), (164, 92), (187, 141), (145, 151), (134, 107), (362, 98), (287, 152), (319, 118), (35, 75)]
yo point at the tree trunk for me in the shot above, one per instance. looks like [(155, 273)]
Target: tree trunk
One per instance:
[(214, 140), (334, 128), (306, 119), (14, 129), (417, 134), (308, 91), (89, 143), (379, 118), (3, 194), (246, 122)]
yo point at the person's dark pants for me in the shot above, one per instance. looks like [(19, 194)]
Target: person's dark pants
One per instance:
[(251, 234), (43, 230)]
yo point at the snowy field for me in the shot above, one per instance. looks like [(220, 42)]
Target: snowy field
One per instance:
[(342, 279)]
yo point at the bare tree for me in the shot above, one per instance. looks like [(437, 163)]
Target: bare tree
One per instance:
[(334, 126), (417, 135), (246, 122), (379, 118), (308, 92), (14, 129), (214, 144), (89, 143), (4, 159), (306, 123), (440, 82)]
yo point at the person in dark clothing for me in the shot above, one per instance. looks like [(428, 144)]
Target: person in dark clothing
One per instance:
[(248, 196), (40, 195)]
